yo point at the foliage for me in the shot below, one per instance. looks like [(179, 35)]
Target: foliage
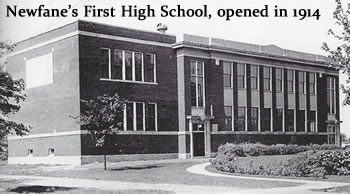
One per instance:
[(340, 55), (102, 117), (11, 94), (315, 163)]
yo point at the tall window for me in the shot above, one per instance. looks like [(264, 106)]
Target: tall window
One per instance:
[(267, 78), (266, 122), (301, 82), (279, 80), (290, 120), (117, 65), (290, 80), (301, 120), (254, 119), (312, 83), (240, 75), (127, 65), (254, 77), (331, 134), (140, 116), (311, 124), (130, 116), (152, 117), (278, 126), (105, 58), (150, 66), (241, 119), (197, 83), (331, 95), (227, 76), (138, 66), (228, 118)]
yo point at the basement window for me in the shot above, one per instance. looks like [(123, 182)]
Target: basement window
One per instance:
[(51, 152), (30, 152)]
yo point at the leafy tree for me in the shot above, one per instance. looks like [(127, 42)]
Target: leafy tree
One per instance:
[(103, 118), (341, 54), (343, 137), (11, 94)]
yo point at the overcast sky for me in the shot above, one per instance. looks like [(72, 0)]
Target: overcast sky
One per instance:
[(289, 32)]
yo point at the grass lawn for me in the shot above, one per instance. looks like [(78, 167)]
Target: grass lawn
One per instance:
[(344, 189), (276, 160), (172, 173)]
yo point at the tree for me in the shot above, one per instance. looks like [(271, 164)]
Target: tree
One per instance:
[(341, 54), (11, 94), (343, 137), (103, 118)]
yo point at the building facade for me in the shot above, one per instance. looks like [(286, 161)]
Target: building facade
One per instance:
[(184, 98)]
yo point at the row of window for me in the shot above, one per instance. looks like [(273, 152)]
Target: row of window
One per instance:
[(51, 152), (127, 65), (267, 78), (266, 124), (136, 118)]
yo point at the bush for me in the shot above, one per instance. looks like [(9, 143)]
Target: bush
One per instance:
[(311, 163)]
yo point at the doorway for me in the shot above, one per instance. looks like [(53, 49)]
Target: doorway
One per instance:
[(198, 140)]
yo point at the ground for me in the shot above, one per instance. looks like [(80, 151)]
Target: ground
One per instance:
[(149, 177)]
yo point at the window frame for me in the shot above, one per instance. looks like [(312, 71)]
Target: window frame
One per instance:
[(331, 95), (241, 76), (303, 82), (155, 116), (267, 79), (281, 81), (254, 77), (196, 75), (225, 74), (228, 117), (239, 118), (312, 85), (291, 81)]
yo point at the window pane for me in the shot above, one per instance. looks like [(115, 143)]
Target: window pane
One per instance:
[(227, 74), (227, 80), (149, 61), (290, 86), (254, 119), (253, 71), (278, 122), (290, 120), (139, 116), (301, 120), (253, 83), (138, 66), (193, 91), (117, 64), (104, 57), (200, 91), (227, 67), (241, 119), (228, 118), (266, 72), (240, 81), (278, 73), (130, 116), (200, 68), (193, 68), (278, 85), (290, 76), (151, 117), (266, 122), (266, 84), (241, 69), (128, 65)]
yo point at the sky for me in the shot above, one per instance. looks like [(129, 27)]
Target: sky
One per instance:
[(289, 32)]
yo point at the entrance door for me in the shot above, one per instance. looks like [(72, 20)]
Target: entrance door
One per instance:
[(198, 140)]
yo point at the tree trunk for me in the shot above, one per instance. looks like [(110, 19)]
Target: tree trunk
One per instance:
[(104, 153)]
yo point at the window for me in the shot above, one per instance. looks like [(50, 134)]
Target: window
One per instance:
[(117, 65), (267, 78), (312, 83), (127, 65), (30, 152), (228, 118), (197, 83), (254, 119), (254, 77), (279, 80), (152, 117), (241, 119), (105, 58), (331, 95), (150, 65), (51, 152), (130, 116), (266, 122), (290, 120), (135, 117), (227, 76), (290, 80), (301, 81), (331, 134), (140, 116), (240, 75), (39, 71), (301, 120), (278, 126), (311, 124)]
